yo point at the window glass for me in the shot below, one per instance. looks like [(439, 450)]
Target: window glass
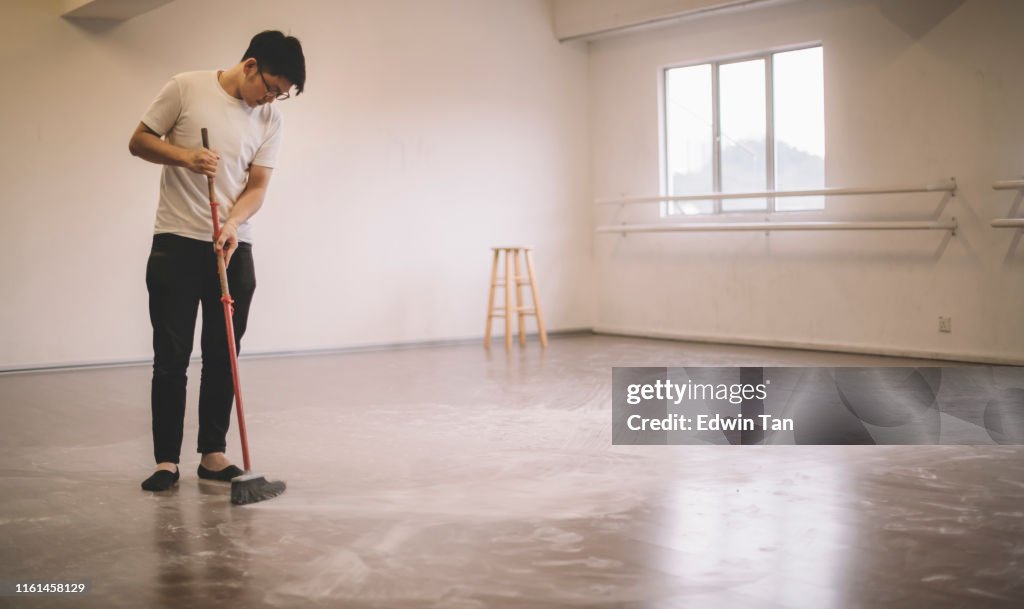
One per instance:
[(689, 151), (799, 105), (744, 132)]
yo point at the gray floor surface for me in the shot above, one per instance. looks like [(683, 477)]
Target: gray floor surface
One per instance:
[(455, 477)]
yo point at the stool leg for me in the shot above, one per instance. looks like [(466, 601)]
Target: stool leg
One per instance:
[(508, 301), (536, 301), (490, 300), (519, 302)]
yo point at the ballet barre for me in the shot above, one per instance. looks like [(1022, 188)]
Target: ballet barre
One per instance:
[(1008, 222), (696, 227), (1008, 185), (949, 186)]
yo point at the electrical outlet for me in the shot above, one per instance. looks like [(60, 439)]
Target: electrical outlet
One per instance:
[(945, 324)]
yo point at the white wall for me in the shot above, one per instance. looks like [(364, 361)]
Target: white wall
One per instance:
[(433, 130), (429, 131), (915, 91)]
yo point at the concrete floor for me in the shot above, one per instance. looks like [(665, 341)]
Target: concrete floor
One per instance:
[(457, 478)]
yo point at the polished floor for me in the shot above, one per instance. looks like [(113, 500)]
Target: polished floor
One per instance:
[(457, 478)]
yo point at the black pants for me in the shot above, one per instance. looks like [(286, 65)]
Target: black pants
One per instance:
[(181, 275)]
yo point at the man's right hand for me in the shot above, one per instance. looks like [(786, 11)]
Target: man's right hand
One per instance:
[(146, 144), (202, 161)]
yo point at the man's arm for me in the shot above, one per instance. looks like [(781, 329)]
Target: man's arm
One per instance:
[(146, 144), (248, 203)]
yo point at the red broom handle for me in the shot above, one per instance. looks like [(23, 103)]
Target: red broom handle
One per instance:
[(225, 298)]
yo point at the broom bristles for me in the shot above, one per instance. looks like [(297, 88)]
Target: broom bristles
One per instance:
[(252, 488)]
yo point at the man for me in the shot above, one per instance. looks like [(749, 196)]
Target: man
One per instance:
[(236, 105)]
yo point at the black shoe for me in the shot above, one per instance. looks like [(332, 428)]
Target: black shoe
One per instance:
[(161, 480), (224, 475)]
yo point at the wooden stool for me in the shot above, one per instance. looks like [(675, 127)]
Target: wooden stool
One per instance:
[(512, 257)]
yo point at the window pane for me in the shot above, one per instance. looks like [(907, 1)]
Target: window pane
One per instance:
[(744, 132), (688, 145), (799, 106)]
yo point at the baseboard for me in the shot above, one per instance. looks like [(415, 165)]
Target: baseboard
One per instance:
[(974, 358), (423, 344), (977, 358)]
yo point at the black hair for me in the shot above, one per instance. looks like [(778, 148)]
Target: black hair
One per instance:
[(279, 55)]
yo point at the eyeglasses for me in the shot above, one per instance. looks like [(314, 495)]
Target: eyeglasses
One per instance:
[(279, 96)]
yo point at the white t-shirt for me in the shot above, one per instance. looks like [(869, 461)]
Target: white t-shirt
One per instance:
[(243, 136)]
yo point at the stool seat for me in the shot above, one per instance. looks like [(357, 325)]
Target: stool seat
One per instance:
[(510, 279)]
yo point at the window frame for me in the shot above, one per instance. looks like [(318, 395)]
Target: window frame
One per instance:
[(716, 135)]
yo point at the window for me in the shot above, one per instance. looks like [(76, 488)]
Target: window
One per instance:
[(750, 125)]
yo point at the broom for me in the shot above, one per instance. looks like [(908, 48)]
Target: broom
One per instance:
[(250, 487)]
